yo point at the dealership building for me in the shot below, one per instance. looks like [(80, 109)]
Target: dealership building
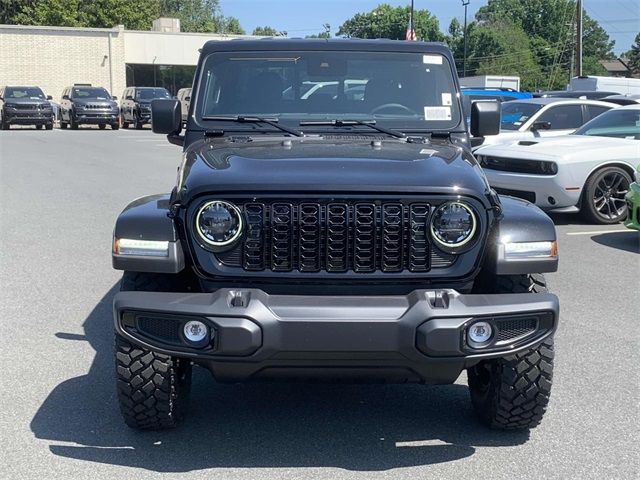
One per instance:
[(56, 57)]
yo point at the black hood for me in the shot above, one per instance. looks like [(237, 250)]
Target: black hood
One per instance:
[(27, 101), (325, 165)]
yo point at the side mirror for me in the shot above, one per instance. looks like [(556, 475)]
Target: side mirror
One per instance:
[(485, 118), (49, 97), (65, 97), (541, 126), (166, 116), (114, 97), (129, 97)]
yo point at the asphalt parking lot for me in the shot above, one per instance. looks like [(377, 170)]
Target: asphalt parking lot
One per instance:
[(60, 193)]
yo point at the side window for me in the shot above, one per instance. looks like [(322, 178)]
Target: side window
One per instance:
[(593, 111), (563, 117)]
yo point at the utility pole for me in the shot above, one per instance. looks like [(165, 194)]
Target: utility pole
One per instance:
[(465, 3), (579, 37)]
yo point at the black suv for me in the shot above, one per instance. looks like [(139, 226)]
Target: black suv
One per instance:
[(315, 233), (135, 106), (83, 104), (25, 106)]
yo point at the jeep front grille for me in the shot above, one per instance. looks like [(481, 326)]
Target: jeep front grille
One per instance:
[(336, 236)]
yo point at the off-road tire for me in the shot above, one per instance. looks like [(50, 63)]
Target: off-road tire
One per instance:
[(124, 123), (136, 121), (73, 124), (588, 209), (63, 124), (512, 393), (39, 127), (115, 126), (153, 388), (49, 126), (4, 125)]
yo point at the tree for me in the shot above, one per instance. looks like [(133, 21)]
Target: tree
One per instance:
[(194, 15), (265, 31), (229, 25), (386, 21), (634, 56), (500, 48), (550, 27), (137, 15)]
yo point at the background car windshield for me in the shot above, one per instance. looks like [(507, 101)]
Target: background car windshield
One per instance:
[(620, 123), (515, 114), (401, 90), (149, 93), (23, 92), (90, 92)]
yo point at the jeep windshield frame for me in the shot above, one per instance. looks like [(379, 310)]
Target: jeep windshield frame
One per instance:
[(404, 91)]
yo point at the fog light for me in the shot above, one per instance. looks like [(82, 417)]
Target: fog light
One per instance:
[(195, 331), (479, 333)]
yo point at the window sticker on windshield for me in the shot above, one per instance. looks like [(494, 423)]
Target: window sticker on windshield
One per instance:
[(446, 99), (432, 59), (437, 113)]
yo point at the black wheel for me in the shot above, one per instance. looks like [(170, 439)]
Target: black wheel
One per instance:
[(603, 195), (137, 122), (115, 126), (102, 126), (512, 393), (124, 123), (38, 127), (63, 124), (72, 122), (4, 125), (49, 126), (153, 388)]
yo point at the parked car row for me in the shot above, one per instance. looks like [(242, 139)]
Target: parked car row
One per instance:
[(82, 104)]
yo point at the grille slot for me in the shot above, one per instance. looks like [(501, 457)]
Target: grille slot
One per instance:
[(337, 237), (160, 328), (514, 328)]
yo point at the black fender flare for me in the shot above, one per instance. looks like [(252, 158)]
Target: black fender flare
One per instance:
[(147, 218), (520, 221)]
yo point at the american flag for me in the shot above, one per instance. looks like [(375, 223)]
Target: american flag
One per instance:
[(411, 33)]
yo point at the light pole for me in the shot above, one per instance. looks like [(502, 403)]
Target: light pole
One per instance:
[(465, 3)]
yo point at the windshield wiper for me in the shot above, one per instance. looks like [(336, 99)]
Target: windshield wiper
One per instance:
[(349, 123), (242, 119)]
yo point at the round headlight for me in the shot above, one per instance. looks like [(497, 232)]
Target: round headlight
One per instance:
[(219, 223), (453, 225)]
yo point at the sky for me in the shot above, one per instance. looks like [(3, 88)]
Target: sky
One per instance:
[(621, 18)]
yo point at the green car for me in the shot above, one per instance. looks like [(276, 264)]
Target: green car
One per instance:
[(633, 203)]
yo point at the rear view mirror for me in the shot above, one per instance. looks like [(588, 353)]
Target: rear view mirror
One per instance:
[(485, 118), (49, 97), (541, 126), (166, 116)]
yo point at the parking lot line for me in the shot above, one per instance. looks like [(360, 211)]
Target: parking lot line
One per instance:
[(596, 232)]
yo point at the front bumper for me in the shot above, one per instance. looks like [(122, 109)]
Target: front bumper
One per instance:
[(18, 117), (419, 337), (633, 207), (546, 191), (96, 118)]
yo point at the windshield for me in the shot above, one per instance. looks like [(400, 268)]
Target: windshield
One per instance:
[(150, 93), (515, 114), (619, 123), (90, 92), (32, 93), (405, 91)]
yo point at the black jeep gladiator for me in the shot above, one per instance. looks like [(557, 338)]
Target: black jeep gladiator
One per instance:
[(329, 222)]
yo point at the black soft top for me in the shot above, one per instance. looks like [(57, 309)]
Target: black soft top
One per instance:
[(344, 44)]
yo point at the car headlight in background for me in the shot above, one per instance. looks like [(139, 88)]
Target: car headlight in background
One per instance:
[(453, 225), (219, 224)]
